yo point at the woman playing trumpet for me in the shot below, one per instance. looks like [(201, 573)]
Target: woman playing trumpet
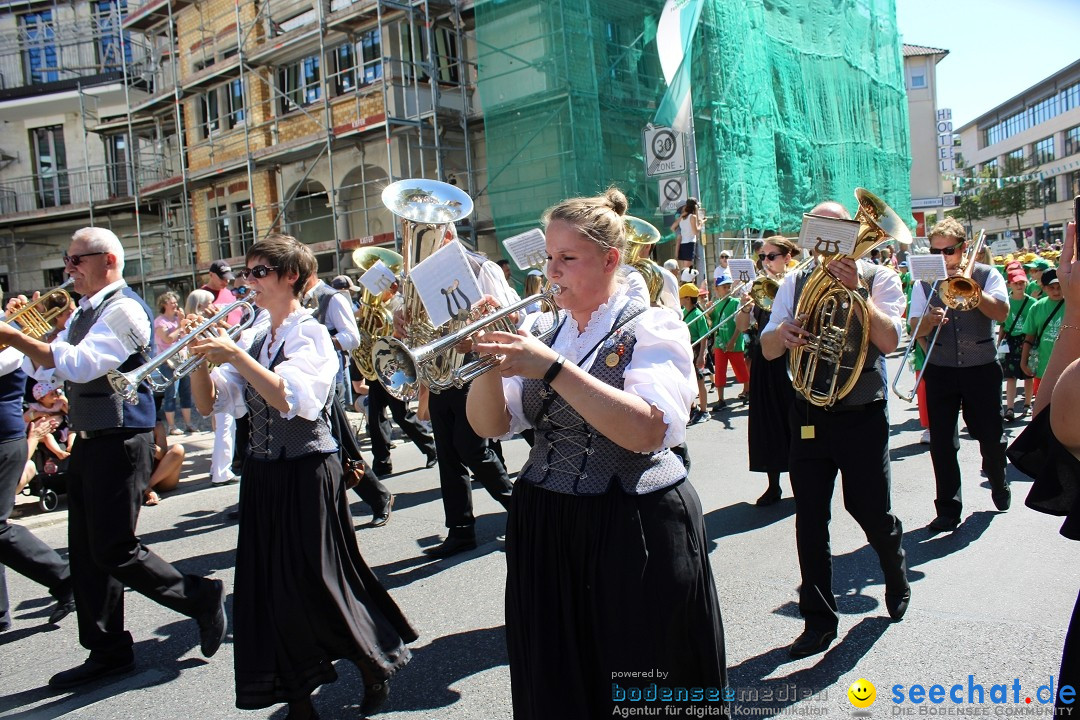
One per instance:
[(605, 540), (304, 596)]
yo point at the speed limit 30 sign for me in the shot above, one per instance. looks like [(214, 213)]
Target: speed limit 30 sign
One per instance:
[(663, 151)]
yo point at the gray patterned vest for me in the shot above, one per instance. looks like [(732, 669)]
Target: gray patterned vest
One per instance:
[(272, 437), (967, 339), (95, 405), (870, 387), (569, 456)]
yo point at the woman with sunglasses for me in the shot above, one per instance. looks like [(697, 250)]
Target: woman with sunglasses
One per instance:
[(771, 393), (304, 596), (607, 568)]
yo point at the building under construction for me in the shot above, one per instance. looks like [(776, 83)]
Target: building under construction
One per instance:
[(194, 127)]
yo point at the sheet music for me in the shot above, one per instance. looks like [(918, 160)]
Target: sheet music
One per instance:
[(742, 272), (828, 235), (927, 268), (527, 250), (378, 279), (446, 284)]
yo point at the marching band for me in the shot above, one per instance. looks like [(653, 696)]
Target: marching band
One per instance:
[(602, 380)]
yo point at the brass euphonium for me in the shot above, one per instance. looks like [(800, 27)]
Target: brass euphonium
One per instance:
[(640, 235), (373, 319), (826, 369), (426, 208)]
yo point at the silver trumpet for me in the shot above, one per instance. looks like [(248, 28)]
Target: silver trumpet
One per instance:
[(401, 369), (126, 384)]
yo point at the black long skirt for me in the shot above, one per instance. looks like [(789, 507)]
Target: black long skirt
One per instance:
[(771, 397), (609, 595), (304, 596)]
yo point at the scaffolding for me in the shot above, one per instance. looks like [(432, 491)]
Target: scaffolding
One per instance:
[(283, 116)]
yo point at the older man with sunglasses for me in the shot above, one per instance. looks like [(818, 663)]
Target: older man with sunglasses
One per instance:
[(110, 464), (963, 371)]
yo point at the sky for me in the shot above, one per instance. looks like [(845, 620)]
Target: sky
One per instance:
[(997, 48)]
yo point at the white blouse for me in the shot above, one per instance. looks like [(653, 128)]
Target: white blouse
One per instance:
[(308, 370), (661, 370)]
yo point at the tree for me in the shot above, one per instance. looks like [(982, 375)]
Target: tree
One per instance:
[(1013, 197), (971, 192)]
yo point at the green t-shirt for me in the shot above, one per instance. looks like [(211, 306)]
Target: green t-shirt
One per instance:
[(1014, 307), (907, 283), (1036, 318), (726, 308), (696, 322), (1035, 289)]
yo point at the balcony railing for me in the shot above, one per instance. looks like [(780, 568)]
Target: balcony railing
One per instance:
[(68, 188)]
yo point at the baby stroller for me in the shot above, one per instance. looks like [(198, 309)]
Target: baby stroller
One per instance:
[(51, 480)]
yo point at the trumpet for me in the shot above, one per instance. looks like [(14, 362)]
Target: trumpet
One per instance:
[(127, 384), (958, 292), (401, 369), (35, 322)]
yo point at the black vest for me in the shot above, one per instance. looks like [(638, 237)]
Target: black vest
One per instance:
[(95, 405), (272, 437), (569, 456), (871, 385), (12, 389), (967, 339)]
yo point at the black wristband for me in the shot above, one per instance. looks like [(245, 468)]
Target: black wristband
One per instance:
[(554, 370)]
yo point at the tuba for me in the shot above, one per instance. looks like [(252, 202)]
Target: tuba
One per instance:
[(373, 319), (36, 321), (427, 208), (640, 235), (826, 369)]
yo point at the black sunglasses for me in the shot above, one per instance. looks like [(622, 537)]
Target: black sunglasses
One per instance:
[(75, 260), (771, 256), (258, 272), (947, 251)]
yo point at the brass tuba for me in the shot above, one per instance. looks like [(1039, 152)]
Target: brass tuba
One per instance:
[(826, 369), (640, 235), (426, 208), (373, 319)]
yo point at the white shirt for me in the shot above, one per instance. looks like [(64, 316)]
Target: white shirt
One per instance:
[(10, 360), (995, 288), (661, 370), (886, 294), (308, 371), (339, 319), (719, 273), (686, 230), (120, 331), (492, 282)]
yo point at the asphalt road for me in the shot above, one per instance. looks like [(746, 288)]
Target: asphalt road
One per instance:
[(991, 600)]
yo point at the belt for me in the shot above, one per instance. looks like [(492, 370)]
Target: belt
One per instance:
[(92, 434)]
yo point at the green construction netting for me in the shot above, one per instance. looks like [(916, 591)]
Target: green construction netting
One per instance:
[(795, 101)]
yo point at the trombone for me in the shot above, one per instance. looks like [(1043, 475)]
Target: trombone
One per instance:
[(35, 322), (126, 384), (401, 369), (958, 292)]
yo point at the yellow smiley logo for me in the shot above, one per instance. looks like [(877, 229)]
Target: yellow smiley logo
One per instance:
[(862, 693)]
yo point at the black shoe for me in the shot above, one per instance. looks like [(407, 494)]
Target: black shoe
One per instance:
[(771, 497), (1010, 416), (381, 517), (375, 697), (89, 671), (897, 604), (63, 608), (944, 524), (432, 460), (1002, 498), (212, 626), (811, 642), (719, 406), (451, 546), (382, 469)]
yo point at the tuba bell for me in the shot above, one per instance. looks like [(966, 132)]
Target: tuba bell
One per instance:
[(428, 209), (373, 319), (640, 235), (826, 369)]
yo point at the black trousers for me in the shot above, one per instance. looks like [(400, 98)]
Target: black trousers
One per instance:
[(20, 549), (978, 390), (106, 481), (379, 427), (855, 443), (461, 450)]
